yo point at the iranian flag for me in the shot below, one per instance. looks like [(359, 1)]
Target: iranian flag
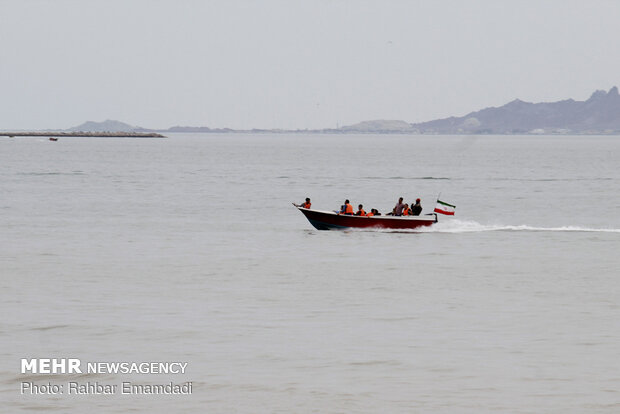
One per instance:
[(444, 208)]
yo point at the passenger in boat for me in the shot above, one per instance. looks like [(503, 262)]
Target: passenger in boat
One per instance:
[(347, 208), (406, 211), (375, 212), (416, 209), (360, 211), (306, 204), (371, 213), (398, 208)]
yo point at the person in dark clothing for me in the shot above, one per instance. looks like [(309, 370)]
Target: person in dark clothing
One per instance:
[(416, 209)]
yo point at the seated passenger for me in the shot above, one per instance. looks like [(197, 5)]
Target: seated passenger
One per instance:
[(375, 212), (306, 204), (360, 211), (416, 209), (406, 211), (371, 213), (347, 208)]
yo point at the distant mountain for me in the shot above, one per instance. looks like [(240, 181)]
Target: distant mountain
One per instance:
[(188, 129), (111, 125), (379, 127), (107, 126), (599, 114)]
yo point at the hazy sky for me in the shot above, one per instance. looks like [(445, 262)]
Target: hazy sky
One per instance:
[(295, 64)]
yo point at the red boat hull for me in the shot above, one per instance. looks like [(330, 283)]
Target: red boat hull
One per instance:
[(325, 220)]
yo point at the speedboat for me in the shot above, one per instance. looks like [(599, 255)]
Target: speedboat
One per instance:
[(330, 220)]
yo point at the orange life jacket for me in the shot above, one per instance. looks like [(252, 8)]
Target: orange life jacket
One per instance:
[(405, 212), (348, 209), (370, 214), (361, 213), (306, 205)]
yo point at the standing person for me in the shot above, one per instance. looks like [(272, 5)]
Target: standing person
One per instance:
[(347, 208), (306, 204), (398, 208), (416, 209), (360, 211)]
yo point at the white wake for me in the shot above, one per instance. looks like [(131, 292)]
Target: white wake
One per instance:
[(463, 226)]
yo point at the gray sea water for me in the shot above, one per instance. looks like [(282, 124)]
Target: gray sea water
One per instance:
[(188, 249)]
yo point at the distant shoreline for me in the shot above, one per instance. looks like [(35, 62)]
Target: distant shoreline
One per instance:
[(294, 131), (599, 115), (83, 134)]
